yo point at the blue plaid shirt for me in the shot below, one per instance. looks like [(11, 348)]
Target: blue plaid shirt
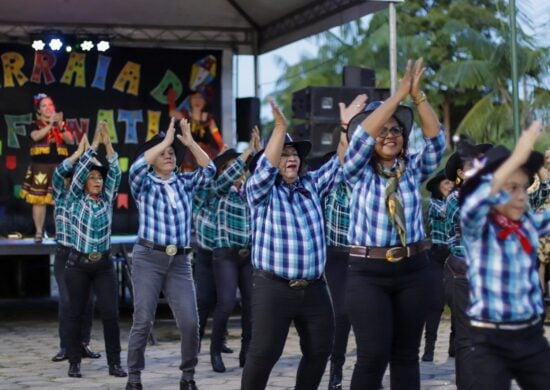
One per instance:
[(436, 217), (370, 224), (453, 231), (504, 282), (337, 214), (205, 219), (165, 205), (91, 219), (288, 236), (538, 197), (62, 205), (234, 226)]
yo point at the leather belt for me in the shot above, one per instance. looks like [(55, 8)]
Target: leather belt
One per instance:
[(505, 326), (170, 250), (339, 249), (296, 284), (92, 257), (391, 254)]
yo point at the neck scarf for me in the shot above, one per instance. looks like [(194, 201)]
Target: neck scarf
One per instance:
[(508, 227), (167, 188), (293, 188), (392, 197)]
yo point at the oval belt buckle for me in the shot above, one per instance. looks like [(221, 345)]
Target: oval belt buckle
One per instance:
[(390, 255), (171, 250), (94, 256)]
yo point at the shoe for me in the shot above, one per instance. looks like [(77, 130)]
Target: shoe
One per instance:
[(428, 356), (335, 379), (74, 370), (188, 385), (116, 370), (134, 386), (226, 349), (217, 362), (60, 355), (38, 238), (88, 353)]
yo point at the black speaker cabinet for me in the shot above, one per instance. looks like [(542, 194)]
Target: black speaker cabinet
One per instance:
[(248, 116), (321, 103), (355, 76), (324, 136)]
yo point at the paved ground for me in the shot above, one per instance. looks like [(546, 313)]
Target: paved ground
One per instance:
[(28, 340)]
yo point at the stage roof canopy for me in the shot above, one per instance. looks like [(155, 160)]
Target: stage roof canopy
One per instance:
[(247, 26)]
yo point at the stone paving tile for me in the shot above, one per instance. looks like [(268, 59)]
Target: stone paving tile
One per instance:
[(26, 348)]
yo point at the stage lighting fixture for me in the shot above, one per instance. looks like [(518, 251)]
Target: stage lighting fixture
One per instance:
[(87, 45), (103, 46), (55, 44), (38, 44), (68, 49)]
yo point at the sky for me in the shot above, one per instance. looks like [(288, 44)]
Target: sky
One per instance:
[(536, 10)]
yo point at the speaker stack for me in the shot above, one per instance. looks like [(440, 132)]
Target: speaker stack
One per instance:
[(248, 116)]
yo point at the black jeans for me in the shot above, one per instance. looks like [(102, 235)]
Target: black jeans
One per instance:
[(80, 277), (438, 255), (61, 256), (232, 269), (499, 356), (205, 285), (274, 306), (464, 366), (336, 271), (386, 303)]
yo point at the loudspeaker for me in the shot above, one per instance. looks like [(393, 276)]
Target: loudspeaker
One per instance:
[(355, 76), (321, 103), (248, 116), (324, 136)]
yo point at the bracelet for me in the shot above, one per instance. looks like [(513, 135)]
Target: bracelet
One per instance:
[(342, 128), (420, 98)]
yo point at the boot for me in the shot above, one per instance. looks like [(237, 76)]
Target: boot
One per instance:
[(188, 385), (217, 361), (74, 370), (428, 352), (335, 378)]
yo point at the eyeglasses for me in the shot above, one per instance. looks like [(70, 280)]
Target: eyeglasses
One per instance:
[(395, 131), (289, 153)]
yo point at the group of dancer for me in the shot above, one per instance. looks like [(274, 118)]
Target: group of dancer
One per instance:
[(339, 247)]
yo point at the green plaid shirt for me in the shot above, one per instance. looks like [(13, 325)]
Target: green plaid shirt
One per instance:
[(337, 215), (436, 217), (453, 231), (234, 226), (205, 219), (91, 218)]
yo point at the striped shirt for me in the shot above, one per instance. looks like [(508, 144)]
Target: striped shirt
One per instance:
[(337, 214), (165, 205), (436, 217), (453, 231), (370, 224), (62, 205), (288, 235), (91, 218), (504, 282), (205, 219), (234, 226)]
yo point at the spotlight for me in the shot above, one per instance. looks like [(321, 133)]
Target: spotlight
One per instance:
[(55, 44), (103, 46), (87, 45), (38, 44), (68, 49)]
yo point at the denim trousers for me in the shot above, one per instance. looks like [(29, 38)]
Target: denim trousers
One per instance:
[(154, 271), (231, 270), (80, 277), (386, 303), (275, 306), (60, 262)]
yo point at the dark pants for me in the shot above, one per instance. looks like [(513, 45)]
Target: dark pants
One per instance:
[(386, 303), (274, 306), (231, 270), (499, 356), (464, 366), (61, 255), (80, 277), (336, 271), (438, 255), (205, 286)]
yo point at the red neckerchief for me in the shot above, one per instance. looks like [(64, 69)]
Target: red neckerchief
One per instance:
[(508, 227), (95, 197)]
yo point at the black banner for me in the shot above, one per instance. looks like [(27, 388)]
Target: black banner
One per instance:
[(127, 87)]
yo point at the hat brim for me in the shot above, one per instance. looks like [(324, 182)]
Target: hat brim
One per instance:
[(223, 158), (302, 147), (433, 184), (177, 145), (454, 163), (101, 169), (403, 114)]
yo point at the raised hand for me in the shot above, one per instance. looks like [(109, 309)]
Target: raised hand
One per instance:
[(404, 87), (278, 116), (254, 143), (417, 74), (185, 137), (104, 130), (355, 107)]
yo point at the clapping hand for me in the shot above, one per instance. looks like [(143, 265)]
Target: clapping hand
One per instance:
[(354, 108), (185, 137), (278, 116), (416, 75)]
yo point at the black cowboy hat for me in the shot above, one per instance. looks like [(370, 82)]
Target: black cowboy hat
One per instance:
[(302, 147), (402, 114), (455, 162), (491, 161), (157, 139), (223, 158), (433, 184), (101, 169)]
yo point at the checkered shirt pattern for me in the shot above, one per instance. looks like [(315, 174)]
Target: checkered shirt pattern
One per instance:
[(436, 217), (539, 197), (337, 214), (205, 219), (453, 231), (62, 210)]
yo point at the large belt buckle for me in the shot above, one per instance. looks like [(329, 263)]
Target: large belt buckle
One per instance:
[(171, 250), (95, 256), (391, 254), (298, 284), (244, 252)]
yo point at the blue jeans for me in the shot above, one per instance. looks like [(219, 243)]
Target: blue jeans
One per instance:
[(154, 271)]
